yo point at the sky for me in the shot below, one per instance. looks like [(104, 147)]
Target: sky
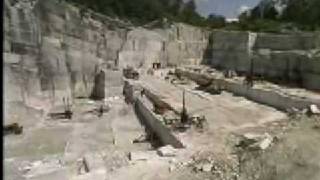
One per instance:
[(227, 8)]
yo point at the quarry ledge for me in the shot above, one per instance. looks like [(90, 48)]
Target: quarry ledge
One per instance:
[(279, 97)]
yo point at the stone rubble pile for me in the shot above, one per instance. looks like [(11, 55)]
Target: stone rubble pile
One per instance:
[(312, 110), (40, 167), (221, 169), (167, 151), (115, 160)]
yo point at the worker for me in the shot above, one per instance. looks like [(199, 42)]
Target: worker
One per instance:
[(142, 92), (249, 81), (101, 111)]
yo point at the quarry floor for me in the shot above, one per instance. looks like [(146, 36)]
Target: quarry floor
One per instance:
[(225, 113), (294, 155), (50, 148), (53, 149)]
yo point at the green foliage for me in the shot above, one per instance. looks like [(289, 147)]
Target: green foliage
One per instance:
[(264, 12), (143, 11), (299, 14), (304, 12), (261, 25), (216, 21)]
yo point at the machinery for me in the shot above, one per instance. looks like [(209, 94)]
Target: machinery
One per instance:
[(198, 121), (130, 73), (186, 120), (12, 129), (66, 114)]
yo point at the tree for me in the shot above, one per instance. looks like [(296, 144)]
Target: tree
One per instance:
[(306, 12), (297, 14), (191, 6), (190, 15), (216, 21), (264, 11)]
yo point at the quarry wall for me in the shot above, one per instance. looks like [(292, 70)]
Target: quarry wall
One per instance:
[(286, 57), (53, 49)]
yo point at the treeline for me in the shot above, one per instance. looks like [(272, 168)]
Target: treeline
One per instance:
[(297, 14), (144, 11), (141, 12), (305, 12)]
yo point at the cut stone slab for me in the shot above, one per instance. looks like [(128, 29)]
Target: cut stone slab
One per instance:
[(314, 109), (41, 168), (265, 143), (142, 138), (167, 151), (98, 92), (93, 161), (257, 141), (172, 168), (206, 167), (142, 155), (249, 139)]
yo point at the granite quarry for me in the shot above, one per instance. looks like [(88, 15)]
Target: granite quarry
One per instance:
[(200, 104)]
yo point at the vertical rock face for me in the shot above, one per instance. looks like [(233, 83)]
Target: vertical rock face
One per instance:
[(141, 48), (230, 50), (290, 57), (186, 44), (174, 45), (293, 57), (52, 49)]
